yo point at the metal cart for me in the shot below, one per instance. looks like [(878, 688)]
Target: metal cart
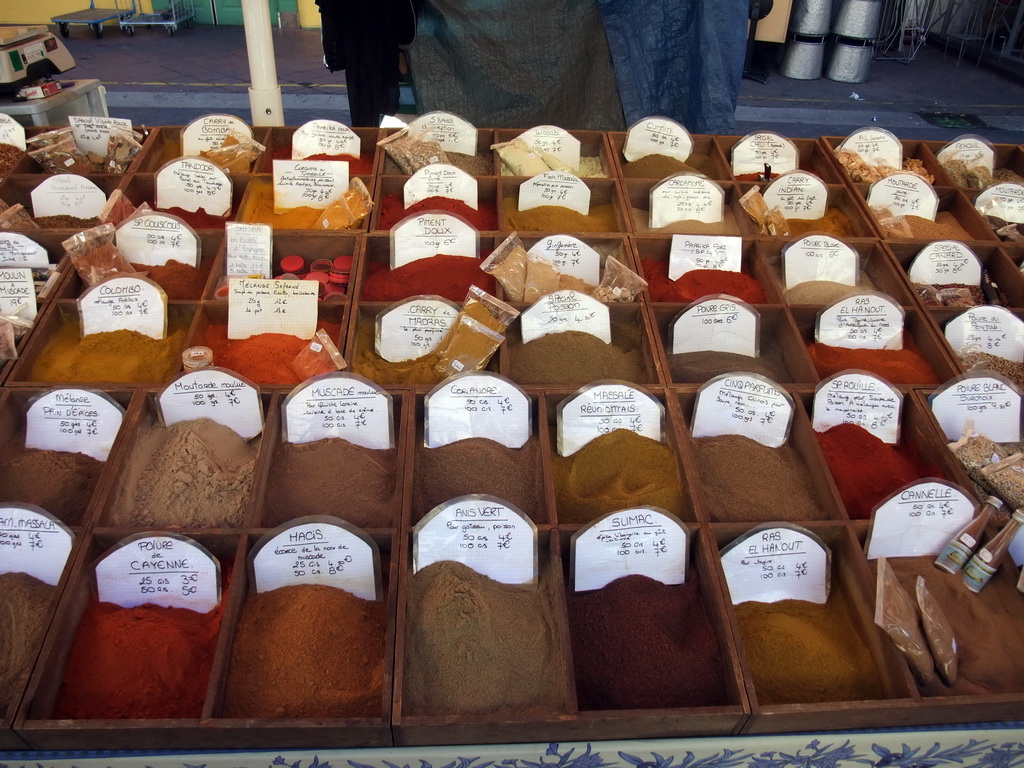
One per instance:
[(177, 12), (94, 16)]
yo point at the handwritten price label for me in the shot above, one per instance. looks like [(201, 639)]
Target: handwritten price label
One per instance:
[(67, 194), (798, 194), (124, 303), (559, 188), (216, 394), (155, 238), (414, 327), (556, 141), (191, 183), (690, 252), (657, 136), (34, 541), (988, 399), (571, 256), (308, 183), (209, 131), (12, 132), (421, 236), (972, 150), (271, 306), (753, 151), (22, 251), (476, 404), (859, 398), (995, 330), (453, 133), (905, 194), (325, 137), (17, 289), (718, 323), (772, 563), (919, 519), (876, 146), (743, 404), (93, 132), (819, 257), (600, 408), (566, 311), (343, 405), (686, 197), (945, 261), (863, 321), (74, 420), (440, 180)]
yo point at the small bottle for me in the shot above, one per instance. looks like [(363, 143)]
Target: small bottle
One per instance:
[(194, 358), (960, 548), (983, 566)]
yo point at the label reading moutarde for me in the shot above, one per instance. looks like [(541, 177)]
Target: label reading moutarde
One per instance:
[(755, 150), (1005, 201), (441, 180), (93, 132), (318, 550), (798, 194), (987, 399), (861, 398), (124, 303), (308, 183), (325, 137), (777, 562), (75, 421), (657, 136), (994, 330), (33, 542), (945, 261), (905, 194), (603, 407), (743, 404), (216, 394), (413, 327), (819, 257), (690, 252), (867, 320), (476, 404), (486, 533), (640, 541), (570, 256), (12, 132), (248, 249), (686, 197), (342, 405), (919, 519), (876, 146), (971, 150), (208, 132), (555, 141), (716, 323), (271, 306), (566, 311), (160, 568), (154, 238), (18, 250), (559, 188), (17, 291), (67, 194), (192, 183), (452, 132), (423, 235)]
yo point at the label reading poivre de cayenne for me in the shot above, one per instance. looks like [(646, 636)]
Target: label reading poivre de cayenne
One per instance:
[(258, 306), (67, 194), (777, 562), (153, 238), (905, 194), (876, 146), (945, 261), (124, 303), (191, 184), (819, 257), (17, 292), (308, 183), (1005, 201), (868, 320), (690, 252), (990, 400), (441, 180), (861, 398), (34, 542), (918, 519), (476, 404), (559, 188), (555, 141), (798, 194), (570, 256), (325, 137), (452, 132), (717, 323), (413, 327), (12, 132), (342, 405), (971, 150), (686, 197), (216, 394), (209, 131), (427, 234), (73, 420), (604, 407), (566, 311), (657, 136), (992, 329), (743, 404), (755, 150), (17, 250)]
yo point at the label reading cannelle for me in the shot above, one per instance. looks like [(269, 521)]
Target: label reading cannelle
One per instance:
[(1005, 201), (657, 136), (67, 194), (861, 398), (308, 183), (777, 562), (919, 519), (971, 150), (716, 323), (603, 407), (440, 180), (17, 292), (154, 238), (34, 542), (341, 405), (798, 194), (905, 194), (124, 303), (690, 252), (559, 188), (249, 249), (476, 404), (413, 327), (555, 141), (18, 250), (325, 137), (570, 256), (743, 404), (566, 311), (427, 234), (73, 420), (450, 131), (945, 261), (209, 131), (819, 257), (216, 394), (755, 150), (876, 146), (92, 132), (686, 197), (987, 399), (992, 329), (12, 132), (868, 320), (271, 306), (193, 184)]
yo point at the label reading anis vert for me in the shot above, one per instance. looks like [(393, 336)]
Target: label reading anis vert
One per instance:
[(603, 407), (324, 137), (342, 405), (861, 398), (743, 404), (657, 136), (476, 404), (718, 323)]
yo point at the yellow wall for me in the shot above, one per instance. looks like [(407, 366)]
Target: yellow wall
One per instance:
[(309, 13)]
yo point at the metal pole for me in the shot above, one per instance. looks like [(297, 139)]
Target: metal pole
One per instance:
[(264, 93)]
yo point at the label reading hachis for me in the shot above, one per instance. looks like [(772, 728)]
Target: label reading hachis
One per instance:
[(555, 141), (154, 238), (342, 405), (34, 542), (743, 404), (905, 194), (1005, 201), (209, 131), (861, 398), (566, 311), (476, 404), (12, 132), (798, 194), (17, 292), (450, 131), (18, 250), (92, 132), (876, 146), (441, 180), (987, 399), (124, 303), (686, 197), (657, 136), (690, 252), (570, 256), (755, 150), (423, 235), (603, 407), (919, 519), (413, 327), (994, 330), (249, 249), (324, 137), (193, 184), (308, 183), (67, 194), (75, 421), (945, 261), (559, 188), (868, 320), (819, 257), (716, 323), (971, 150), (777, 562), (216, 394)]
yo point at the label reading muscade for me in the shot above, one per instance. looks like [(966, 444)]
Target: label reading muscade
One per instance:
[(657, 136), (919, 519), (163, 569), (876, 146), (571, 256), (744, 404), (686, 197), (192, 183), (994, 330), (751, 153), (798, 194), (271, 306), (342, 405), (423, 235), (318, 550), (486, 533), (17, 291), (124, 303), (34, 542), (324, 137), (819, 257), (556, 141), (450, 131), (866, 320), (988, 399), (75, 421), (972, 150), (777, 562), (248, 249), (717, 323), (155, 238), (12, 132), (18, 250), (861, 398), (308, 183), (1005, 201), (905, 194), (440, 180), (690, 252), (476, 404), (208, 132), (566, 311), (559, 188), (603, 407), (413, 327), (640, 541), (92, 132), (67, 194), (216, 394), (945, 261)]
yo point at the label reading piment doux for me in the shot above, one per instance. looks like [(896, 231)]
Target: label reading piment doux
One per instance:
[(559, 188), (413, 327), (153, 238), (992, 329), (34, 542), (718, 323), (861, 398), (905, 194), (987, 399), (919, 519), (192, 183), (325, 137), (248, 250), (777, 562), (67, 194), (686, 197), (476, 404), (216, 394), (124, 303), (690, 252), (657, 136), (308, 183), (570, 256), (566, 311), (209, 131), (440, 180), (743, 404), (423, 235), (603, 407), (73, 420), (342, 405), (271, 306), (868, 320)]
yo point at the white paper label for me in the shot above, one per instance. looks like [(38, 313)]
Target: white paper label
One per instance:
[(641, 541), (308, 183), (862, 321), (919, 519), (125, 303), (208, 132), (271, 306), (321, 550), (155, 238), (555, 141), (771, 563), (12, 132), (324, 137), (450, 131), (716, 323), (428, 234), (743, 404), (73, 420), (17, 289), (22, 251), (414, 327), (216, 394), (876, 146), (989, 400), (600, 408), (686, 197), (753, 151), (342, 405), (943, 262), (68, 195), (819, 257), (657, 136), (1003, 200), (995, 330), (476, 404), (92, 132), (249, 249), (440, 180), (193, 183), (571, 256), (972, 150), (559, 188), (34, 542), (799, 195), (863, 399), (905, 194), (690, 252), (487, 534), (566, 311)]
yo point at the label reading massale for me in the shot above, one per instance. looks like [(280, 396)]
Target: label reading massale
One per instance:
[(17, 292), (971, 150), (271, 306), (342, 405), (160, 568), (686, 197), (476, 404), (209, 131), (124, 303), (657, 136), (945, 261), (743, 404), (325, 137), (777, 562), (819, 257), (35, 542), (566, 311), (67, 194), (571, 256), (308, 183), (603, 407), (73, 420), (861, 398), (1005, 201), (751, 153), (987, 399), (427, 234), (559, 188), (18, 250), (640, 541), (555, 141), (798, 194), (868, 320), (440, 180), (994, 330), (690, 252), (717, 323), (249, 249), (216, 394), (876, 146), (918, 519), (905, 194), (12, 132), (450, 131), (413, 327), (154, 238), (192, 183), (318, 550), (486, 533)]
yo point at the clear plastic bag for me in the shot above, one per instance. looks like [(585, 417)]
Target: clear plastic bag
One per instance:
[(94, 254), (892, 224), (8, 344), (119, 208), (16, 217), (770, 221), (319, 356), (236, 154), (122, 147), (476, 334), (349, 210), (541, 278), (57, 152), (896, 614), (1006, 479), (507, 264), (940, 636), (413, 150), (618, 282), (521, 159)]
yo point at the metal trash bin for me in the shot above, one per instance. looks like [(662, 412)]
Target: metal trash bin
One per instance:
[(857, 18), (803, 58), (849, 60), (810, 17)]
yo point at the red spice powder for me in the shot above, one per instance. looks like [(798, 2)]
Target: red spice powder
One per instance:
[(264, 359), (357, 166), (898, 366), (179, 281), (700, 282), (393, 210), (444, 275), (198, 219)]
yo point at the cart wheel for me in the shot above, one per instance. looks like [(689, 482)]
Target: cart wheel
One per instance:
[(65, 29), (97, 29), (130, 30), (170, 30)]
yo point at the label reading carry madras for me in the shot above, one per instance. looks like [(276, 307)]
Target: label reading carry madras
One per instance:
[(861, 398), (570, 256), (971, 150), (160, 568), (987, 399), (271, 306), (919, 519), (559, 188), (440, 180), (798, 194), (994, 330), (755, 150), (686, 197), (1005, 201), (248, 249), (657, 136), (876, 146), (690, 252), (209, 131), (68, 194), (12, 132), (423, 235), (17, 290), (945, 261), (450, 131), (603, 407), (308, 183), (868, 320), (124, 303), (191, 184), (476, 404), (18, 250), (318, 550), (640, 541), (566, 311), (154, 238), (33, 542), (413, 327), (745, 404), (342, 405), (324, 137), (777, 562), (73, 420), (92, 132), (486, 533), (819, 257), (716, 323), (905, 194), (216, 394), (556, 141)]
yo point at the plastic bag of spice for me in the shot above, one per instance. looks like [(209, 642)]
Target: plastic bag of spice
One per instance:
[(349, 210), (896, 613), (1006, 230), (236, 154), (319, 356), (119, 208), (507, 264), (892, 225), (618, 282), (769, 220), (57, 152), (520, 158), (939, 633), (541, 278), (8, 345), (16, 217), (1006, 479), (122, 147), (413, 150), (476, 334), (94, 254)]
